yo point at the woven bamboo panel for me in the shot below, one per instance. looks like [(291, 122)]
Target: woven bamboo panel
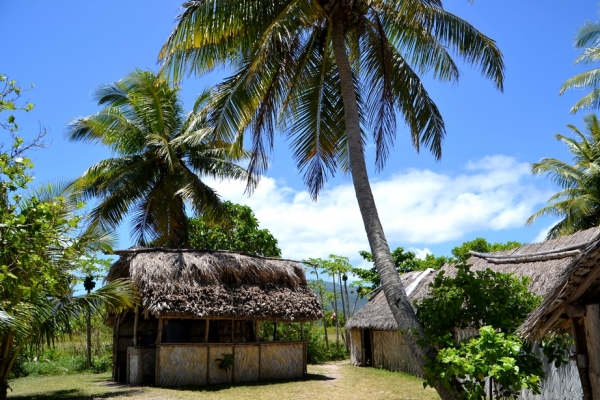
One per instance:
[(246, 364), (182, 366), (216, 374), (560, 383), (281, 361), (133, 369), (391, 352), (355, 347)]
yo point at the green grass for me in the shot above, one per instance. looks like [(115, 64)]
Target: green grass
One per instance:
[(334, 381)]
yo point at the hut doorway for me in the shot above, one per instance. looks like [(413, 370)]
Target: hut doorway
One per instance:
[(367, 348)]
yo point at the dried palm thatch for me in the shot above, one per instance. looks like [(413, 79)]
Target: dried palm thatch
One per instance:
[(562, 271), (218, 284)]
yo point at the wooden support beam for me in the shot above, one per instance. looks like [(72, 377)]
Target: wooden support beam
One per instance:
[(206, 332), (257, 331), (275, 331), (232, 329), (578, 333), (135, 326), (592, 336), (115, 377), (302, 330), (160, 329), (574, 311)]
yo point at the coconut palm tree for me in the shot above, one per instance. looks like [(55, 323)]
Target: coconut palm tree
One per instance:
[(588, 39), (578, 201), (327, 73), (161, 152)]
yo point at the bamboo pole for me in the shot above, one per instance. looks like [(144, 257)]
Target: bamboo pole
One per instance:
[(206, 331), (257, 331), (592, 334), (275, 338), (302, 330), (160, 329), (578, 333), (116, 348), (232, 329), (135, 327)]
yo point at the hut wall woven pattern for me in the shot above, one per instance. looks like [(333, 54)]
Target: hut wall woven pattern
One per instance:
[(355, 347), (216, 374), (391, 352), (134, 378), (245, 363), (181, 366), (281, 362)]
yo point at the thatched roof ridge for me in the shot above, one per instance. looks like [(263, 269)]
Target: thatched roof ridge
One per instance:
[(219, 284), (561, 270)]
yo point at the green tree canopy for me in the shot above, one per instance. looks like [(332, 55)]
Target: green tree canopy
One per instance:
[(161, 155), (480, 245), (577, 202), (42, 243), (237, 230)]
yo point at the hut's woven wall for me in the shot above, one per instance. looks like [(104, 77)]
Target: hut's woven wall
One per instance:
[(181, 365), (560, 383), (216, 374), (355, 347), (191, 364), (391, 352), (281, 361), (133, 367), (245, 368)]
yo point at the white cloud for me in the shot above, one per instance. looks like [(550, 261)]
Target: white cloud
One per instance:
[(543, 233), (420, 253), (417, 207)]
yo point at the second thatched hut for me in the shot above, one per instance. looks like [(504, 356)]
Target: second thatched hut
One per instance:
[(565, 272)]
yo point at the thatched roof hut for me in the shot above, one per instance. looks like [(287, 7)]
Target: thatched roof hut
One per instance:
[(199, 308), (560, 270), (201, 284), (563, 271)]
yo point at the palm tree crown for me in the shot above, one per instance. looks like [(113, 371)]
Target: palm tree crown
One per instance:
[(287, 74), (578, 201), (160, 153), (588, 39)]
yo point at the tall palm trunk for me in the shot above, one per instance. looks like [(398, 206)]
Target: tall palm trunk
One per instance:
[(4, 364), (390, 280)]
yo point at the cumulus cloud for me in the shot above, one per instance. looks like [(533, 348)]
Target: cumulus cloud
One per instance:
[(416, 207)]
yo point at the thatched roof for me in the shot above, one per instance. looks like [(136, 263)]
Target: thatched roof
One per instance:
[(219, 284), (562, 271)]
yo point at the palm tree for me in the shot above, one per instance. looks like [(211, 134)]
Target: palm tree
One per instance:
[(578, 201), (587, 38), (160, 153), (322, 71)]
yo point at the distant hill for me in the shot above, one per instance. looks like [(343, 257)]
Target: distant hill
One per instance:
[(353, 296)]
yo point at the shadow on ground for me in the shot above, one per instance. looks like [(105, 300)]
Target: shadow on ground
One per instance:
[(74, 394)]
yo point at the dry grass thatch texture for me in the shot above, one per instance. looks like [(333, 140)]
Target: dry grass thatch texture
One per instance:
[(219, 284)]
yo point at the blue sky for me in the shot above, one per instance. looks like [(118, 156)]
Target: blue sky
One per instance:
[(481, 187)]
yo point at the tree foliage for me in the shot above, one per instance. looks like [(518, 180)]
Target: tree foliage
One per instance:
[(495, 304), (480, 245), (587, 39), (161, 156), (237, 230), (41, 243), (577, 202)]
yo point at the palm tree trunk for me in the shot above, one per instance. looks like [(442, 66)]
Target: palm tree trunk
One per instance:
[(335, 311), (4, 365), (390, 280)]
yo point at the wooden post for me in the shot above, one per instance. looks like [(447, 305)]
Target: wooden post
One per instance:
[(275, 331), (160, 329), (592, 335), (257, 331), (578, 333), (116, 348), (302, 330), (135, 327), (206, 332)]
